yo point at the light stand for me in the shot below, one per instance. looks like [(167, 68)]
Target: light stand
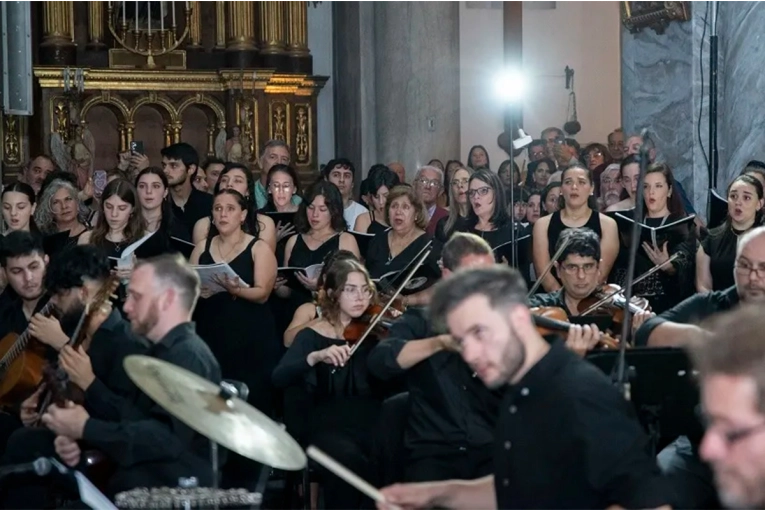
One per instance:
[(713, 155), (519, 143)]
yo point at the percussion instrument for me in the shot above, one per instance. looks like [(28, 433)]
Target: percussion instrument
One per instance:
[(193, 497)]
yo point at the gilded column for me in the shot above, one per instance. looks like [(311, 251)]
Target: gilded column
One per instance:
[(297, 37), (195, 28), (96, 25), (57, 47), (240, 48), (220, 26), (272, 40)]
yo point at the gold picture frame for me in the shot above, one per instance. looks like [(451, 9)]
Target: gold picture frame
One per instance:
[(656, 15)]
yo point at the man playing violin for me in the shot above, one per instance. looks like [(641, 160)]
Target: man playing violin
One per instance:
[(565, 437), (578, 269), (450, 415)]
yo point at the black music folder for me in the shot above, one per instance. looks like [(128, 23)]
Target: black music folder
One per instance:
[(362, 239), (425, 276), (718, 209), (506, 249), (289, 272), (182, 246), (672, 231)]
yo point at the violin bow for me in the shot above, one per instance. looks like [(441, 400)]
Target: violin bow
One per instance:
[(548, 268), (637, 280), (621, 369), (377, 318)]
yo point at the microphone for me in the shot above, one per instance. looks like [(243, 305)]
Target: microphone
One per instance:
[(41, 467)]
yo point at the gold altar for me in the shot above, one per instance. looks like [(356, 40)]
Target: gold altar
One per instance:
[(216, 75)]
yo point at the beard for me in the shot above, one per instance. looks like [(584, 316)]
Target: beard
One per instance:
[(512, 359), (71, 318), (143, 325)]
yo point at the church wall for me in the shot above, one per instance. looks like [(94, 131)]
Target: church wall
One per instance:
[(582, 35), (320, 29)]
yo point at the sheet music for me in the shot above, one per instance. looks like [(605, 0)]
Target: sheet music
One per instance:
[(90, 495), (126, 259), (209, 274)]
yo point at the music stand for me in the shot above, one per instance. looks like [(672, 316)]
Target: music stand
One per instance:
[(663, 389)]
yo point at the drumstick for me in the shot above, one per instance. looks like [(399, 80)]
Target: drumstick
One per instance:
[(346, 474)]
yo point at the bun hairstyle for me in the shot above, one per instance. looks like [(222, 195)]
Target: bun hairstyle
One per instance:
[(334, 280)]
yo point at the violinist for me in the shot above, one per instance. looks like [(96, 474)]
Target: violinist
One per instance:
[(579, 271), (451, 417), (73, 279), (565, 437), (308, 314), (346, 400)]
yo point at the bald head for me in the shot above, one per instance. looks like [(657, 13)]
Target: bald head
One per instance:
[(749, 271), (399, 170)]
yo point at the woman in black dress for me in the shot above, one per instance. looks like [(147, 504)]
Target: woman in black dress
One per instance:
[(487, 217), (578, 210), (458, 204), (153, 188), (379, 186), (58, 212), (345, 400), (717, 253)]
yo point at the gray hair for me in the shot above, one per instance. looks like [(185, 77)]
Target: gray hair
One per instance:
[(174, 271), (432, 169), (749, 237), (500, 284), (44, 217), (272, 144)]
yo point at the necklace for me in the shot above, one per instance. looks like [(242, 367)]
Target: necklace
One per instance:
[(231, 250)]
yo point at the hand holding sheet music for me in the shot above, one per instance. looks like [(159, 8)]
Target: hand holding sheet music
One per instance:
[(301, 276), (217, 278), (656, 254)]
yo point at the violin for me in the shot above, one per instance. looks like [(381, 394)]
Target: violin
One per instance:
[(609, 300), (553, 319), (356, 328)]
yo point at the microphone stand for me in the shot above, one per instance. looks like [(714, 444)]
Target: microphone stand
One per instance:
[(621, 378)]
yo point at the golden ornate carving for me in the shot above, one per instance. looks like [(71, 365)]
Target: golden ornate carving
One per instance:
[(115, 103), (11, 140), (278, 113), (271, 27), (195, 33), (96, 23), (657, 15), (297, 29), (303, 136), (217, 109), (241, 25), (245, 131), (60, 118), (58, 23), (220, 25), (168, 111)]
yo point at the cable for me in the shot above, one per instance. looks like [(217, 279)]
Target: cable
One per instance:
[(701, 93)]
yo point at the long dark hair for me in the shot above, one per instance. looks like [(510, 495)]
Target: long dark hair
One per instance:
[(166, 222), (240, 199), (592, 202), (332, 199), (499, 217), (25, 189), (533, 168), (675, 203), (285, 169), (470, 157), (136, 225), (251, 224), (754, 182)]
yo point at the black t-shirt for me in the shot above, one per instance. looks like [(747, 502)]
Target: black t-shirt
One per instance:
[(567, 439), (720, 246), (691, 311), (198, 206)]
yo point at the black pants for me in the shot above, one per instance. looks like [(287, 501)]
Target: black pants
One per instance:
[(449, 464), (354, 451)]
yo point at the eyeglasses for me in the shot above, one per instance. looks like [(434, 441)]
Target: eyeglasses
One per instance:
[(481, 192), (279, 187), (352, 290), (425, 183), (573, 269), (458, 183), (744, 268), (595, 153)]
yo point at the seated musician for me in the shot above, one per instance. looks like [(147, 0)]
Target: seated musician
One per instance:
[(579, 272), (309, 314), (148, 446), (565, 437), (676, 327), (451, 418), (345, 404), (23, 259)]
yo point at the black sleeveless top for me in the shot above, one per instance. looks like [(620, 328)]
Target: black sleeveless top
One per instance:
[(303, 256), (557, 227)]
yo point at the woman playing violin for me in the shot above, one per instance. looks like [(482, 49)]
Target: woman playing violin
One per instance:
[(346, 399)]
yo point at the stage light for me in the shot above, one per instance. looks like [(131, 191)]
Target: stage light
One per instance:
[(510, 86)]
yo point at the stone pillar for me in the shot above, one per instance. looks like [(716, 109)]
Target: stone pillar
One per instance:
[(658, 81), (320, 34), (297, 37), (57, 47), (240, 47), (96, 26), (398, 96), (272, 37), (195, 27)]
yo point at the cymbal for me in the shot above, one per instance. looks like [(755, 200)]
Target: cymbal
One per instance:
[(232, 423)]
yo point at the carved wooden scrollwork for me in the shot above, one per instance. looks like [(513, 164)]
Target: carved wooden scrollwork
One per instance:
[(303, 135), (278, 113), (12, 140)]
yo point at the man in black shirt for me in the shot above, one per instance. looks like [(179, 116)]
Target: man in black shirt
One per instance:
[(24, 261), (189, 205), (675, 326), (150, 447), (451, 417), (565, 438)]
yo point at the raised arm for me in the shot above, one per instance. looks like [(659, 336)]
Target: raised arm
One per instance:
[(704, 282), (609, 245)]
